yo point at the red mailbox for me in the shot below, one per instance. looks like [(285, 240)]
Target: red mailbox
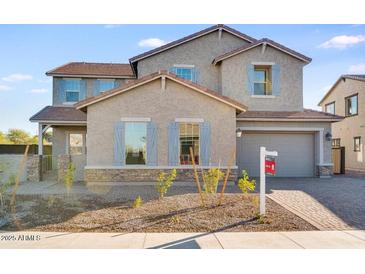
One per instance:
[(270, 166)]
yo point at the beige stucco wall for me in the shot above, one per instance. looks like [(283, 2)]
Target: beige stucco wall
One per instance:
[(59, 137), (234, 80), (89, 88), (199, 52), (162, 106), (349, 127), (327, 152)]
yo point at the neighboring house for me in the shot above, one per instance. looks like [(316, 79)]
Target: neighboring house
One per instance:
[(201, 91), (347, 98)]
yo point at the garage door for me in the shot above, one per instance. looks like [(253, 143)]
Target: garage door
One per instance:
[(296, 153)]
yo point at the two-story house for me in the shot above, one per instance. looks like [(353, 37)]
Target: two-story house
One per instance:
[(218, 91), (346, 98)]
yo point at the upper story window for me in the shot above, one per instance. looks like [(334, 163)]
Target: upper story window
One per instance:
[(351, 105), (72, 90), (262, 80), (330, 108), (135, 143), (187, 72), (106, 84), (189, 137)]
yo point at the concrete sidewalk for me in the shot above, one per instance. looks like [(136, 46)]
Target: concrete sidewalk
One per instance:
[(227, 240)]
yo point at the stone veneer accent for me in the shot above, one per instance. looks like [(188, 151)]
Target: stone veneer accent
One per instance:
[(143, 175), (324, 171), (62, 166), (34, 168)]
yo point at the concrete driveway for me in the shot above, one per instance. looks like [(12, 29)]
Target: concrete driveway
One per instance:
[(329, 204)]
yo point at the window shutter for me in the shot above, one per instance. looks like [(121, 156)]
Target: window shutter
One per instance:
[(96, 87), (82, 89), (275, 80), (60, 88), (205, 143), (151, 144), (119, 144), (173, 138), (250, 78)]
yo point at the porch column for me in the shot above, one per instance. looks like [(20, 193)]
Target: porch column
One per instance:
[(40, 139)]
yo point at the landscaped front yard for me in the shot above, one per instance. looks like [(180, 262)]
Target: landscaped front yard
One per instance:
[(177, 213)]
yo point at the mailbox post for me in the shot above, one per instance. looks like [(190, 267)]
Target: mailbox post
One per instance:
[(263, 154)]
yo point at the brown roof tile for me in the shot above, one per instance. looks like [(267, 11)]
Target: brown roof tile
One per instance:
[(59, 114), (190, 37), (156, 75), (257, 43), (306, 114), (93, 69)]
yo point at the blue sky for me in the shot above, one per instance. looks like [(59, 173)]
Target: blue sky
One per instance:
[(28, 51)]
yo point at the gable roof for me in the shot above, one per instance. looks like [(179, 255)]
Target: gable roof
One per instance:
[(358, 77), (146, 79), (192, 37), (305, 115), (59, 114), (262, 42), (93, 70)]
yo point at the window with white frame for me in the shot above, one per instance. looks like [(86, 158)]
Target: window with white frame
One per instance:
[(262, 80), (135, 143), (351, 106), (189, 138), (76, 143), (330, 108), (187, 72), (72, 89)]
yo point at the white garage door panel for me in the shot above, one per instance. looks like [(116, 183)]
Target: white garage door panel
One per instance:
[(296, 153)]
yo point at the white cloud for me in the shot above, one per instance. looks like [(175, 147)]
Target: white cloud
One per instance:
[(151, 43), (16, 77), (343, 41), (4, 88), (39, 90), (111, 26), (359, 68)]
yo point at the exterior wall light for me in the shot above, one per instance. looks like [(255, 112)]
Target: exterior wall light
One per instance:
[(328, 136), (238, 132)]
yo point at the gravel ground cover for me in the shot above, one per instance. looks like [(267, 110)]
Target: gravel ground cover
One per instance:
[(176, 213)]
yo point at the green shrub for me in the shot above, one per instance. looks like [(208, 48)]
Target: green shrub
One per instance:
[(245, 184), (211, 179), (70, 176), (137, 202), (164, 182)]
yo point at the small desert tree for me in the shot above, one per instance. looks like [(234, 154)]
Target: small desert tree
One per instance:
[(69, 177), (245, 184), (164, 182), (211, 179)]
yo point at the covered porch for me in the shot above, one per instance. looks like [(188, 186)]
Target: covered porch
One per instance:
[(68, 127)]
